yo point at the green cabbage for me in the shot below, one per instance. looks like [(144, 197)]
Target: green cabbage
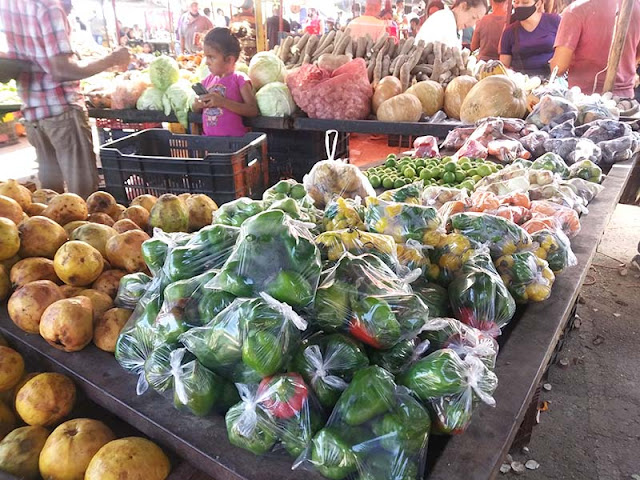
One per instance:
[(151, 99), (242, 67), (164, 72), (275, 100), (266, 67), (178, 98)]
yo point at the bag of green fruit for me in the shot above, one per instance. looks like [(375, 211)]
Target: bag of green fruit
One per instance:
[(450, 387), (403, 221), (463, 339), (288, 188), (251, 338), (553, 163), (131, 289), (586, 170), (280, 411), (327, 363), (236, 212), (411, 193), (341, 213), (155, 250), (502, 236), (554, 247), (377, 430), (276, 255), (528, 277), (434, 296), (333, 244), (400, 356), (479, 297), (364, 297)]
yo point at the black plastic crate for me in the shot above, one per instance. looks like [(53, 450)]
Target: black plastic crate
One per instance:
[(293, 154), (157, 161)]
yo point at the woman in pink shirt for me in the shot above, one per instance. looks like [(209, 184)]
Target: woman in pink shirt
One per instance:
[(231, 95)]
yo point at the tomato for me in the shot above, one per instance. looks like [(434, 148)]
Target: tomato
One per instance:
[(285, 394)]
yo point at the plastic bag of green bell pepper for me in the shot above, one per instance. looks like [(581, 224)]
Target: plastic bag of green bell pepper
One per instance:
[(261, 334), (327, 363), (463, 339), (279, 411), (502, 236), (403, 221), (553, 163), (450, 387), (527, 276), (285, 189), (434, 296), (155, 250), (586, 170), (377, 430), (554, 247), (362, 296), (479, 297), (236, 212), (342, 213), (208, 248), (131, 289), (276, 255), (400, 356), (333, 244), (584, 189)]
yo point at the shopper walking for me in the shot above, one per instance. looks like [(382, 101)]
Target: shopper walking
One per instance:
[(583, 42), (486, 36), (57, 124), (192, 27)]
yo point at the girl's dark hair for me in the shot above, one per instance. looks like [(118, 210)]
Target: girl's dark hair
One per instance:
[(472, 3), (222, 39)]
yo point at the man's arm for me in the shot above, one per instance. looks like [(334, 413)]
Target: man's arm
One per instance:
[(475, 40), (561, 59), (65, 69)]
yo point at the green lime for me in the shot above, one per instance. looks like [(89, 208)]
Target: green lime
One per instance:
[(407, 181), (418, 170), (282, 187), (420, 163), (460, 175), (449, 177), (392, 156), (480, 160), (426, 174), (468, 184), (409, 172), (387, 182), (446, 159), (440, 182), (499, 167), (405, 159), (450, 167), (298, 192), (375, 181), (473, 172), (390, 163), (437, 172), (464, 160), (465, 166), (398, 183), (476, 178), (484, 170)]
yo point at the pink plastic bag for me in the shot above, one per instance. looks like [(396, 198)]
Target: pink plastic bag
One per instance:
[(344, 94)]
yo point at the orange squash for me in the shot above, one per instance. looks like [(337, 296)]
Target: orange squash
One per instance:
[(455, 94), (494, 96)]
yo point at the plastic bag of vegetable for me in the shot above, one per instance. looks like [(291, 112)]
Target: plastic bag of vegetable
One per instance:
[(403, 221), (450, 387), (327, 363), (280, 410), (413, 255), (447, 257), (260, 333), (155, 250), (397, 358), (285, 189), (586, 170), (364, 297), (236, 212), (151, 99), (479, 297), (276, 255), (275, 100), (566, 217), (500, 235), (552, 162), (333, 244), (463, 339), (164, 72), (265, 68), (341, 213), (554, 247), (330, 178), (434, 296), (377, 429), (411, 193), (528, 277), (436, 197), (131, 289), (584, 189)]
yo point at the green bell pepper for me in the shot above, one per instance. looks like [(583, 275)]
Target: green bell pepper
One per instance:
[(389, 467), (131, 289), (157, 369), (410, 422), (374, 323), (331, 455), (396, 358), (236, 212), (332, 306), (452, 415), (261, 352), (436, 375), (230, 280), (290, 287), (211, 303), (369, 394), (259, 440), (196, 389)]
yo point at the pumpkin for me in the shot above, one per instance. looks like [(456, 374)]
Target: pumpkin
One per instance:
[(455, 94), (387, 88), (401, 108), (494, 96), (430, 94)]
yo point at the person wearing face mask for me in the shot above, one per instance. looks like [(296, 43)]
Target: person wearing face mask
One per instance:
[(527, 44), (445, 25), (192, 26)]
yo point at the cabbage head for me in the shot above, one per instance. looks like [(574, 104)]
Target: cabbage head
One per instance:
[(164, 72), (178, 98), (266, 67), (151, 99), (242, 67), (275, 100)]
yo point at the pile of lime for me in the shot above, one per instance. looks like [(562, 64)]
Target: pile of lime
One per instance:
[(464, 172)]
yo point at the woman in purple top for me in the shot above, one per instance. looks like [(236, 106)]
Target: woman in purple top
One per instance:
[(231, 95), (527, 44)]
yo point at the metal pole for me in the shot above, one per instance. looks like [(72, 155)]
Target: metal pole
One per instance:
[(104, 22), (619, 37), (115, 19), (172, 46)]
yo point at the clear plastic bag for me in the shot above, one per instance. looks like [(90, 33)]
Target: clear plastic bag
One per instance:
[(285, 189), (327, 363), (603, 130), (426, 146), (131, 289), (586, 170), (563, 130), (413, 255), (528, 277), (434, 296), (593, 108), (364, 297), (436, 197), (554, 247), (448, 256), (619, 150), (155, 250), (402, 221), (479, 297), (507, 150), (499, 234), (512, 178), (563, 147), (534, 143), (276, 255), (410, 193), (463, 339), (377, 430), (236, 212), (517, 215), (399, 357), (558, 200), (552, 110), (341, 213), (457, 137), (206, 249), (450, 387), (540, 178), (584, 149), (584, 189), (553, 163), (333, 244), (258, 334)]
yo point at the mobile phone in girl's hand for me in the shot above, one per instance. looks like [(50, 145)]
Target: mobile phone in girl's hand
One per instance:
[(199, 89)]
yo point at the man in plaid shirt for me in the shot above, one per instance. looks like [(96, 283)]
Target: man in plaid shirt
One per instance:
[(57, 123)]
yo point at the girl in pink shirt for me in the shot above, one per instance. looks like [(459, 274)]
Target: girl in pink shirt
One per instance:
[(231, 95)]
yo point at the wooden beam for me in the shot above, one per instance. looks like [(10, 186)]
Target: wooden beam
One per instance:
[(261, 37), (619, 37)]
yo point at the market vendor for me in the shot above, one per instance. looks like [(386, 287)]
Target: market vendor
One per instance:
[(369, 22), (527, 44), (582, 49), (444, 25), (57, 123), (192, 26)]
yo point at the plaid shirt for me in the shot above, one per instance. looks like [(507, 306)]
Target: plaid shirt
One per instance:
[(37, 30)]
